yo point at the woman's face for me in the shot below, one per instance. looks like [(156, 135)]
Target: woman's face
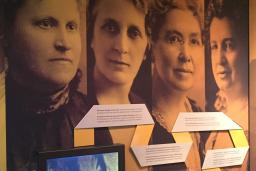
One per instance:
[(44, 43), (224, 53), (178, 50), (119, 41)]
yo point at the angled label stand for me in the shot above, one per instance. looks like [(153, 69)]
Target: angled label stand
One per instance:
[(209, 121), (113, 116)]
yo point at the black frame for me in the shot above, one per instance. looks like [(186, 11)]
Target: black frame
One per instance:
[(80, 151)]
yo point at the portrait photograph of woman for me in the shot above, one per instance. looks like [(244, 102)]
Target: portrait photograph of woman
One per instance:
[(43, 47), (117, 43), (228, 55), (177, 54)]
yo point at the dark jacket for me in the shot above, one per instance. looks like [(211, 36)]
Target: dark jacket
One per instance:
[(29, 132), (102, 135)]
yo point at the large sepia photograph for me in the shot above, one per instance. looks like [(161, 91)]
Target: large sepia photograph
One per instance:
[(178, 62), (44, 45), (227, 68), (117, 47)]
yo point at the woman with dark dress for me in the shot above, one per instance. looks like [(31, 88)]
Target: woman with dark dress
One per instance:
[(229, 65), (177, 50), (43, 47), (117, 43)]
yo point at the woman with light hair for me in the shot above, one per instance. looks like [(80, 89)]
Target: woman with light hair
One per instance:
[(117, 46), (43, 48)]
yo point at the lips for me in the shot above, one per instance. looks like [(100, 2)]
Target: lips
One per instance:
[(183, 70), (223, 74), (223, 71), (61, 59), (119, 62)]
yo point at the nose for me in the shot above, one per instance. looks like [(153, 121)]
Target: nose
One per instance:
[(185, 53), (220, 57), (121, 44), (62, 43)]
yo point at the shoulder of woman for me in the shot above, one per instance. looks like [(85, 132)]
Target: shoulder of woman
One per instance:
[(77, 107), (79, 97), (135, 99)]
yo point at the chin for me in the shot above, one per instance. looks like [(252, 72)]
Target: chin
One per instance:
[(121, 80), (61, 81), (184, 87), (223, 85), (180, 86)]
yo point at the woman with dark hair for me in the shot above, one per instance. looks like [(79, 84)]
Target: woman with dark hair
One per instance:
[(43, 47), (117, 44), (177, 50), (229, 60)]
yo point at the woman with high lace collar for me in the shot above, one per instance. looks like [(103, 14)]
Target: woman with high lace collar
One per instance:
[(43, 47), (177, 50)]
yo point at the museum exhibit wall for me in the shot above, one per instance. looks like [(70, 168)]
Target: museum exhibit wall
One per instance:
[(121, 62)]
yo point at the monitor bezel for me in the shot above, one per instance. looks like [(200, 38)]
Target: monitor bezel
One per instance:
[(80, 151)]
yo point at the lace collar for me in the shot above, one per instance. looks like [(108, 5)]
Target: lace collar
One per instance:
[(161, 120), (32, 102)]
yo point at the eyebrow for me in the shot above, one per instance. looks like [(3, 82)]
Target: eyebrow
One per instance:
[(195, 34), (37, 19), (110, 20), (228, 39), (169, 32), (118, 23)]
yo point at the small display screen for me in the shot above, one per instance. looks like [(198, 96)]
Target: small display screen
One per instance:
[(96, 162), (91, 158)]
